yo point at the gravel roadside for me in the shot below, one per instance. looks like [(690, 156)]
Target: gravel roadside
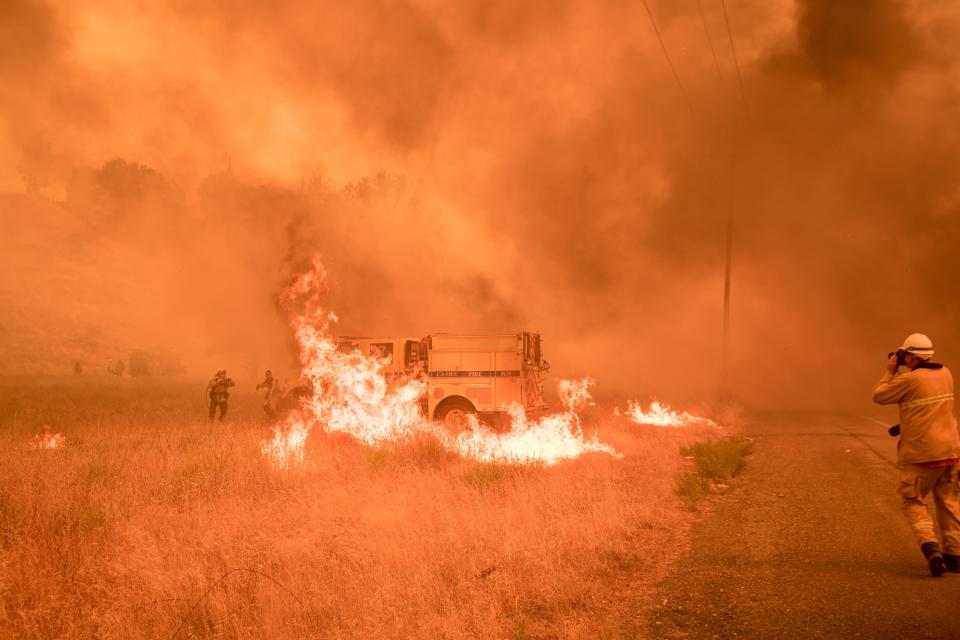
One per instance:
[(811, 544)]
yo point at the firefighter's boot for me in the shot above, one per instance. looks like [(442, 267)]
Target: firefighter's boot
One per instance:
[(952, 561), (931, 551)]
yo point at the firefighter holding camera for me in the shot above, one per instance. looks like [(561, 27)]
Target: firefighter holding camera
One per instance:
[(929, 448)]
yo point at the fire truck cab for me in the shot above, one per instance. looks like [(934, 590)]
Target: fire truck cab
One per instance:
[(400, 356), (482, 374)]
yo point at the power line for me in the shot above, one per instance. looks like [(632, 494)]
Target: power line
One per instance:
[(666, 55), (713, 52), (733, 49)]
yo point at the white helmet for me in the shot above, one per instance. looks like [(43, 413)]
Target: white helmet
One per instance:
[(919, 345)]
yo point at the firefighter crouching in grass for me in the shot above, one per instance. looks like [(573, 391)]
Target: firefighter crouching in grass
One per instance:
[(218, 390), (928, 449)]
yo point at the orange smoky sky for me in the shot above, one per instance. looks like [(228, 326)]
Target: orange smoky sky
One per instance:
[(480, 166)]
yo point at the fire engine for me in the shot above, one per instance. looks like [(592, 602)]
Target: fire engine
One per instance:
[(465, 374)]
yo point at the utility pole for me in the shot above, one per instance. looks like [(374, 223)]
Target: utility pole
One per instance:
[(727, 273), (725, 381)]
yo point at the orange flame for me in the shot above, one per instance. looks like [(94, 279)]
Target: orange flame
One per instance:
[(662, 415), (350, 395), (48, 440), (549, 440), (575, 394)]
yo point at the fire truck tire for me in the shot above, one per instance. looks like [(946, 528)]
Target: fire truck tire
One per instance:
[(453, 413)]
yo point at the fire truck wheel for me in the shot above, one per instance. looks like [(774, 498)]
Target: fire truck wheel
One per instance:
[(454, 414)]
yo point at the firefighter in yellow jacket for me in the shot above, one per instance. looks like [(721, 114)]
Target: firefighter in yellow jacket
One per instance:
[(929, 448)]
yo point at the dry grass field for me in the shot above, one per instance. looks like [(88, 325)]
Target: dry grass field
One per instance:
[(125, 531)]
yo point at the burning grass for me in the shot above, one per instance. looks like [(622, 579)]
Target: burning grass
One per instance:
[(662, 415), (120, 533)]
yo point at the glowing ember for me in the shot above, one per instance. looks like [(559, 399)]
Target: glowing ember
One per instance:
[(662, 415), (349, 394), (47, 440)]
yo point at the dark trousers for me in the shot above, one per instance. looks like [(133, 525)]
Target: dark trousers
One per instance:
[(218, 401)]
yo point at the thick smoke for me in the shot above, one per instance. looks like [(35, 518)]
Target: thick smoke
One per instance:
[(487, 167)]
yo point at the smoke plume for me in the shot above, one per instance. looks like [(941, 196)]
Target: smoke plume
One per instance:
[(479, 167)]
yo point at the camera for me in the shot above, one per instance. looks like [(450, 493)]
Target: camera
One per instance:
[(894, 431), (899, 353)]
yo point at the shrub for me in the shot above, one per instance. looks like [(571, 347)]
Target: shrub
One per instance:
[(716, 462), (719, 459)]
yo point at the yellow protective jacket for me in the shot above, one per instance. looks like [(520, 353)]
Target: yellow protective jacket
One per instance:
[(928, 423)]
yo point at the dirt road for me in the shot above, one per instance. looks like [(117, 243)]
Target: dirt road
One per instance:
[(811, 544)]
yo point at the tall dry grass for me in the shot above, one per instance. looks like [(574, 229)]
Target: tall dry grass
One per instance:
[(120, 533)]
